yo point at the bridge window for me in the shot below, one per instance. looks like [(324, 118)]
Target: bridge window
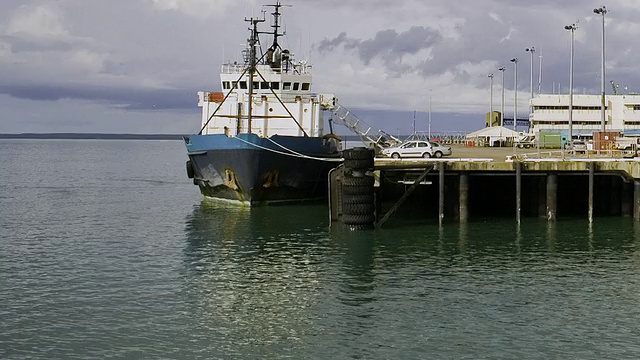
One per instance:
[(264, 85), (296, 86), (243, 84), (286, 85), (226, 85), (305, 86), (275, 85), (256, 85)]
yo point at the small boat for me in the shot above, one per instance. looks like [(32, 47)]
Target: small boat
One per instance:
[(262, 140)]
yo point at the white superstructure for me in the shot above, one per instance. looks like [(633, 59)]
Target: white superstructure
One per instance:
[(551, 113), (268, 94), (278, 101)]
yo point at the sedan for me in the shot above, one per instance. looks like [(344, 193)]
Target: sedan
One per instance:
[(417, 148)]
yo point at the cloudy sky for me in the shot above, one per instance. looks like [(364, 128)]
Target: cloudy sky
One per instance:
[(134, 66)]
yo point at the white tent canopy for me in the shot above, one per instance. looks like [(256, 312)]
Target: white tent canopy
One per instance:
[(493, 132), (493, 136)]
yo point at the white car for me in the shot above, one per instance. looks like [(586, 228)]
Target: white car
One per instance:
[(579, 146), (417, 148)]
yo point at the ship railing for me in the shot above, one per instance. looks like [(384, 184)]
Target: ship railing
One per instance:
[(295, 69)]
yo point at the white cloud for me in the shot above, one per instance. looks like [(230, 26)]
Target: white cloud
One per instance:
[(196, 8), (40, 21)]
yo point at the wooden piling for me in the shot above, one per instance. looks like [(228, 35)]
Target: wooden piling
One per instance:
[(441, 167), (636, 199), (518, 166), (464, 197), (552, 196), (591, 180)]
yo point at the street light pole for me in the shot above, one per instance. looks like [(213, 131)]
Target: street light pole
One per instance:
[(429, 114), (490, 76), (602, 11), (502, 69), (571, 28), (540, 72), (531, 50), (515, 92)]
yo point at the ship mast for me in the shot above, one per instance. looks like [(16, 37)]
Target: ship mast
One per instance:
[(276, 24), (252, 63)]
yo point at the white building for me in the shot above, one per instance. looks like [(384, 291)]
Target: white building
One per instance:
[(551, 114)]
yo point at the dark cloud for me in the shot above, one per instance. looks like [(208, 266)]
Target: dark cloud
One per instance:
[(127, 98), (386, 45), (22, 43)]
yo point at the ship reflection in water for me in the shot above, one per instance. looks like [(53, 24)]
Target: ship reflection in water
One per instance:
[(279, 281), (253, 281)]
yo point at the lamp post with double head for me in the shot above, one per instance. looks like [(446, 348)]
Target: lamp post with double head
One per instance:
[(490, 76), (602, 11), (430, 114), (502, 69), (571, 28), (531, 50), (515, 92)]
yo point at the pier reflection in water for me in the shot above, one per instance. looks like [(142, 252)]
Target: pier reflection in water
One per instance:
[(269, 282)]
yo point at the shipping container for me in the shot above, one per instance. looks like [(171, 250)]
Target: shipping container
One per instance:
[(605, 140), (549, 140)]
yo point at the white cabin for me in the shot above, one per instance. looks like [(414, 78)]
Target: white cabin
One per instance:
[(281, 97)]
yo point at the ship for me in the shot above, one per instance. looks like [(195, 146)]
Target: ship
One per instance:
[(262, 139)]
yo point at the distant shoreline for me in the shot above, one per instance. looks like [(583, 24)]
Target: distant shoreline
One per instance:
[(91, 136)]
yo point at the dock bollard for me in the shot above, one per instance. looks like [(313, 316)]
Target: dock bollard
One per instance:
[(358, 203)]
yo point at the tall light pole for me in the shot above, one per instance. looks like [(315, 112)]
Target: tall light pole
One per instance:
[(502, 69), (531, 50), (540, 72), (515, 92), (429, 114), (490, 76), (602, 11), (571, 28)]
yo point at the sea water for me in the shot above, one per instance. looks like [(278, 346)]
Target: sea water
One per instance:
[(107, 250)]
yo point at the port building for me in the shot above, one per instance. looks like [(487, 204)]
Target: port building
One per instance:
[(550, 113)]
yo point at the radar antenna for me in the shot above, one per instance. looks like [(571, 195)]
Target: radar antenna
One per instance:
[(276, 24)]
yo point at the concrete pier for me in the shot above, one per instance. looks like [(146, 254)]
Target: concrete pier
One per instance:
[(462, 189)]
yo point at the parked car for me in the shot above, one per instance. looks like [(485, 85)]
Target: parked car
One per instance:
[(579, 146), (416, 149)]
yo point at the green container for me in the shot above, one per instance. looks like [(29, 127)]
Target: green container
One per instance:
[(549, 140)]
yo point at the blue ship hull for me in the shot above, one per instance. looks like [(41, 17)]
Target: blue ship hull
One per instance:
[(260, 171)]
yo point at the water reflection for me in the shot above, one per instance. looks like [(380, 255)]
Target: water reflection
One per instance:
[(254, 274), (279, 281)]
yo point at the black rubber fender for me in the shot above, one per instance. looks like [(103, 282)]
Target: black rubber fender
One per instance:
[(190, 172)]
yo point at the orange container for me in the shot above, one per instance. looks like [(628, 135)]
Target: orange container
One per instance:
[(216, 97)]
